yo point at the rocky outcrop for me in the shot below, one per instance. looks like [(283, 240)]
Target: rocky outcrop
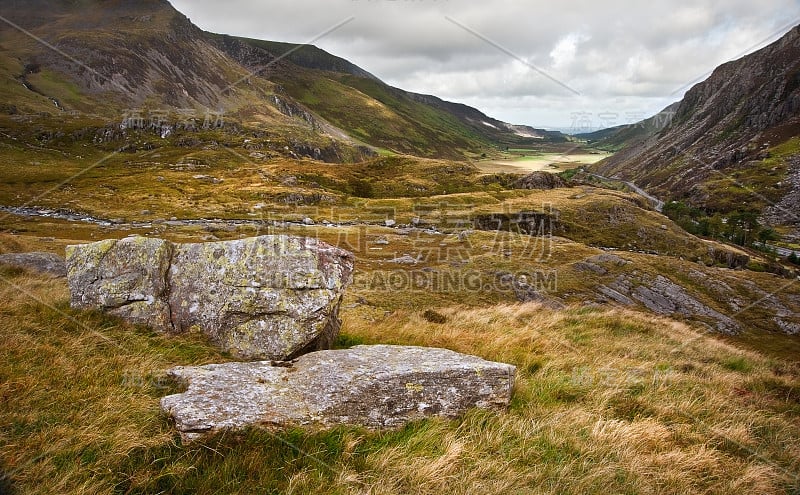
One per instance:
[(540, 180), (268, 297), (524, 222), (728, 256), (374, 386), (663, 296), (47, 263)]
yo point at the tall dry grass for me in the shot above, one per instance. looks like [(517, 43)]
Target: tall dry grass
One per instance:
[(606, 401)]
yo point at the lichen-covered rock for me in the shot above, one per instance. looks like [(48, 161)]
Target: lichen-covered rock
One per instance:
[(374, 386), (47, 263), (127, 278), (268, 297)]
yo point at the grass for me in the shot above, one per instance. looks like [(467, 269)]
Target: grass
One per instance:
[(606, 401)]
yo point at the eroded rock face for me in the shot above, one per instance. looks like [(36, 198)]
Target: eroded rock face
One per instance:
[(374, 386), (663, 296), (268, 297)]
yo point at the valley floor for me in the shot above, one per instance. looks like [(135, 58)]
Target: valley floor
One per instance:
[(521, 161), (617, 391)]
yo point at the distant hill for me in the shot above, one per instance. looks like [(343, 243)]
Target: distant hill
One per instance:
[(621, 136)]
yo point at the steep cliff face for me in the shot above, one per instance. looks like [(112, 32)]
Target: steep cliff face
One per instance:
[(729, 143)]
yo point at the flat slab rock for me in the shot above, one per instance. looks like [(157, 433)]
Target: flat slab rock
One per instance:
[(377, 386), (46, 263), (267, 297)]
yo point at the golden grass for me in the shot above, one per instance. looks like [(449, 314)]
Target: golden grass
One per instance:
[(606, 401)]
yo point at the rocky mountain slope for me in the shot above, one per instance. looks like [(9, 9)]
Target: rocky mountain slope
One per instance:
[(111, 57), (730, 144)]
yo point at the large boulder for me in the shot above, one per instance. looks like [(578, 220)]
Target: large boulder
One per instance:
[(268, 297), (374, 386), (46, 263)]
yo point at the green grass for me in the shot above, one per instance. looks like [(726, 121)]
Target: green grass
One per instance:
[(737, 363)]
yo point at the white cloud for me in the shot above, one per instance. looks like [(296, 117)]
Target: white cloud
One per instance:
[(618, 54), (563, 54)]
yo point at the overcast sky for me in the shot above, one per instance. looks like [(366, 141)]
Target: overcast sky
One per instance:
[(543, 63)]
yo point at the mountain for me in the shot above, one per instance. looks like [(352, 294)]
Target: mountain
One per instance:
[(106, 57), (731, 144), (622, 136)]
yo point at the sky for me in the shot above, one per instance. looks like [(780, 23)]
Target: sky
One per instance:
[(570, 64)]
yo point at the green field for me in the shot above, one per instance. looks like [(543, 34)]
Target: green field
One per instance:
[(525, 161)]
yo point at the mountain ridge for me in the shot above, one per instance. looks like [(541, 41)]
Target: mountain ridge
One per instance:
[(725, 146), (113, 55)]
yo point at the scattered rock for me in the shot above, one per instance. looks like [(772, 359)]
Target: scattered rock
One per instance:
[(308, 221), (787, 327), (257, 155), (608, 258), (268, 297), (382, 240), (47, 263), (595, 263), (406, 259), (524, 222), (586, 266), (464, 235), (389, 222), (374, 386)]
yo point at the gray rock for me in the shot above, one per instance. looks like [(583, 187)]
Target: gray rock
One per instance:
[(268, 297), (607, 258), (664, 297), (406, 259), (126, 277), (586, 266), (374, 386), (47, 263)]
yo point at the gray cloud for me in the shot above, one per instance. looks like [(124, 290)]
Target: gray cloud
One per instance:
[(624, 57)]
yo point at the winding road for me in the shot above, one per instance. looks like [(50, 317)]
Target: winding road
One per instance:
[(658, 205)]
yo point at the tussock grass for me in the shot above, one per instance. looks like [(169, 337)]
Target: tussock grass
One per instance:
[(606, 401)]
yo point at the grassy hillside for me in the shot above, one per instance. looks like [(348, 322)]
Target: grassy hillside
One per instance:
[(649, 360)]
